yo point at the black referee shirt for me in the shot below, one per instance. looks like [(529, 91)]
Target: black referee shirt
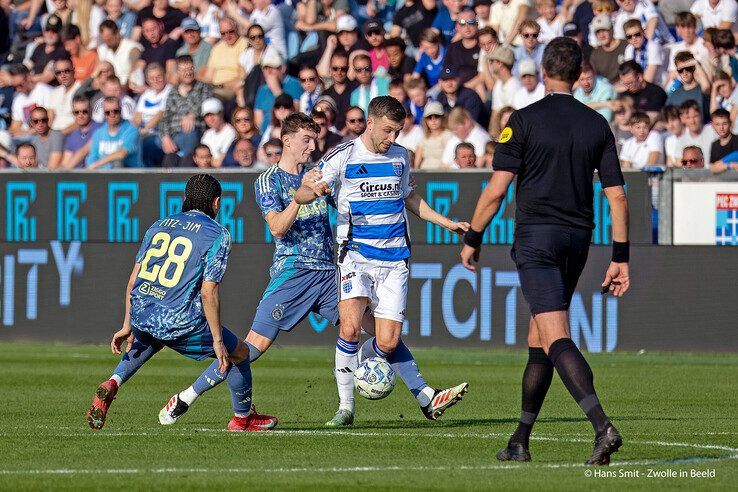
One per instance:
[(554, 146)]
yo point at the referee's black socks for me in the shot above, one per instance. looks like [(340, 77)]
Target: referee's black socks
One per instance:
[(578, 379), (536, 381)]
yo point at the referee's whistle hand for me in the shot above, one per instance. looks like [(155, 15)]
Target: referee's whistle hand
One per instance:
[(617, 278), (469, 254)]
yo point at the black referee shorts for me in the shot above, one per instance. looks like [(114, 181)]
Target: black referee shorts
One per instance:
[(549, 259)]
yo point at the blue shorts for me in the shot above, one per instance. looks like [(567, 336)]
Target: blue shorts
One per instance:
[(291, 296), (197, 345), (550, 259)]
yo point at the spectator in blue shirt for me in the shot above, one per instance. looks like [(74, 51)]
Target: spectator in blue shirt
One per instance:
[(445, 20), (431, 58), (276, 82), (77, 144), (116, 143), (595, 91)]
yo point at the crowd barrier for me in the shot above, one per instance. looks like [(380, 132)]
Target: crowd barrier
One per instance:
[(69, 241)]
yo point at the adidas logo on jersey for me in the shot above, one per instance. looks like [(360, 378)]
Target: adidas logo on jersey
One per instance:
[(362, 170)]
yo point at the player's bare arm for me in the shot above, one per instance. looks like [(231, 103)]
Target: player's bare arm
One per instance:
[(420, 207), (617, 277), (211, 306), (125, 333), (487, 206)]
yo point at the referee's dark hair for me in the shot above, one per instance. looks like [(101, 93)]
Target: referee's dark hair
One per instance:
[(562, 60), (200, 193), (387, 106)]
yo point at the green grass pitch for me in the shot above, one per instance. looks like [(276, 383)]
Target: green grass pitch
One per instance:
[(677, 413)]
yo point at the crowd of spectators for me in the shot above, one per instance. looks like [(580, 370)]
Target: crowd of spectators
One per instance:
[(104, 84)]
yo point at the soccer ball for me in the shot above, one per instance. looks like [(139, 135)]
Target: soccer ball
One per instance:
[(374, 379)]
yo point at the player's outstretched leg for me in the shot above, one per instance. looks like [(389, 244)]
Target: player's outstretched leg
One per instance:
[(246, 418), (432, 402), (579, 380), (180, 403), (346, 360), (130, 362), (536, 381)]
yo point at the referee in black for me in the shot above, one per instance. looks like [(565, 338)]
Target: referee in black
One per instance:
[(554, 147)]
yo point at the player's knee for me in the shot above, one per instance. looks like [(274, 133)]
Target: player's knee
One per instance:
[(239, 354), (349, 331), (388, 342)]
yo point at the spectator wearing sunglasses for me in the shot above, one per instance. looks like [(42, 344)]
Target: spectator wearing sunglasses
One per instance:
[(312, 87), (273, 151), (506, 16), (224, 71), (116, 143), (355, 123), (647, 53), (464, 53), (60, 105), (341, 88), (445, 21), (695, 84), (530, 48), (194, 45), (77, 143), (48, 144), (374, 35), (369, 87), (257, 49), (692, 158)]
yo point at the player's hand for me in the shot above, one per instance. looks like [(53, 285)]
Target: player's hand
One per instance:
[(459, 228), (313, 175), (617, 278), (469, 254), (319, 188), (120, 336), (222, 355)]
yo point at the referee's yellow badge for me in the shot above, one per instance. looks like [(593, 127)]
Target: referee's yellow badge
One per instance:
[(505, 135)]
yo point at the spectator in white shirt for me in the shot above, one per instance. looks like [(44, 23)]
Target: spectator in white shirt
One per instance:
[(646, 12), (696, 133), (722, 14), (647, 53), (219, 135), (686, 28), (28, 95), (644, 147), (551, 22), (60, 106), (464, 129), (674, 130), (464, 156), (506, 86), (532, 89)]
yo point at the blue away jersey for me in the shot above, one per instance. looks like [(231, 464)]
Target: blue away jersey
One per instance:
[(309, 242), (176, 255)]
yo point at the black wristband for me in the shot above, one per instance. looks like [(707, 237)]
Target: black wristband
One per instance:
[(621, 252), (473, 238)]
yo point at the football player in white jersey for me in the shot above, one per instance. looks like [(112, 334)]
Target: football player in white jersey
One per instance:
[(369, 178)]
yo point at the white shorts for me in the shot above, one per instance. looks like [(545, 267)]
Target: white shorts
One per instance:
[(384, 284)]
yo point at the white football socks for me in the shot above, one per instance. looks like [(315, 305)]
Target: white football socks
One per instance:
[(345, 368), (425, 396), (189, 395)]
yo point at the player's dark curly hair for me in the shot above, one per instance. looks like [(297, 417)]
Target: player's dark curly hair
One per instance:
[(201, 191)]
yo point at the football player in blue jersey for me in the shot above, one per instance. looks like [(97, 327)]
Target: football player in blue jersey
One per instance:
[(303, 275), (172, 300)]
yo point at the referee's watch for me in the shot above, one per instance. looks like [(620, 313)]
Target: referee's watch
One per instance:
[(473, 238)]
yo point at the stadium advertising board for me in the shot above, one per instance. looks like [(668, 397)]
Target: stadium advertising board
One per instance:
[(117, 207), (73, 292), (705, 213)]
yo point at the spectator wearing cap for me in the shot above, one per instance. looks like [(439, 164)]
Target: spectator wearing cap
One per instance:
[(206, 14), (194, 45), (223, 70), (595, 91), (116, 143), (374, 35), (506, 17), (410, 134), (464, 129), (412, 18), (118, 12), (572, 31), (532, 89), (312, 87), (695, 84), (49, 144), (257, 49), (84, 60), (503, 93), (647, 53), (430, 62), (455, 95), (550, 21), (483, 9), (46, 53), (464, 156), (464, 53), (345, 42), (400, 65), (219, 134), (581, 17), (369, 87), (182, 123), (530, 48), (28, 95), (170, 17), (60, 104), (430, 148), (341, 87), (327, 105), (121, 52), (609, 53), (276, 83), (326, 139), (647, 97), (157, 48), (445, 20), (686, 28)]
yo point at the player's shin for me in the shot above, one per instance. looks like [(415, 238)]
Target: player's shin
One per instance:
[(132, 360), (254, 353), (403, 363), (346, 363), (536, 381), (239, 383), (209, 379)]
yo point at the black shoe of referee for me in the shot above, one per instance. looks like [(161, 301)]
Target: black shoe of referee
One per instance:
[(514, 451), (605, 445)]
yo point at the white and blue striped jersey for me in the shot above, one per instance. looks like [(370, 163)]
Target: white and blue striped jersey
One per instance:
[(370, 190)]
